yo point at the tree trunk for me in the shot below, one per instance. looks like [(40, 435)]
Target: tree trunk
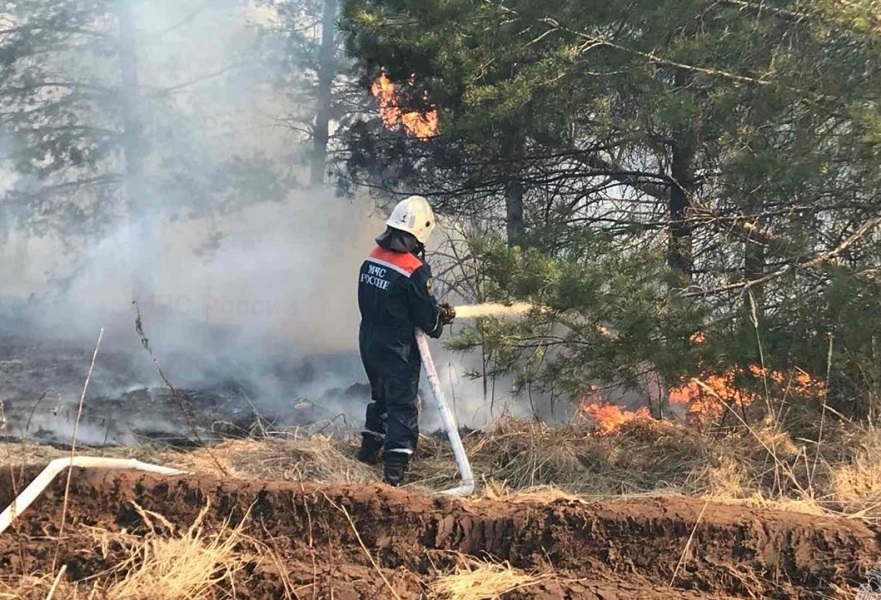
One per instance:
[(514, 212), (326, 75), (679, 255), (134, 150), (515, 225)]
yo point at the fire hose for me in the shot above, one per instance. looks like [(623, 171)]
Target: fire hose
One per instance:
[(42, 481), (448, 420)]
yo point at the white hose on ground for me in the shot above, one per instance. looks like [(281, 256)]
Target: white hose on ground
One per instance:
[(42, 481), (448, 420)]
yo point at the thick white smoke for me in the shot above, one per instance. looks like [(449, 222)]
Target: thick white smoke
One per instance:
[(264, 286), (244, 293)]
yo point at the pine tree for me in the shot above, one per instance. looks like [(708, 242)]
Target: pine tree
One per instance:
[(737, 140)]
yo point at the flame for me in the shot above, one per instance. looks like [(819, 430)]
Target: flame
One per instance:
[(697, 338), (421, 125), (610, 417), (706, 402), (707, 397)]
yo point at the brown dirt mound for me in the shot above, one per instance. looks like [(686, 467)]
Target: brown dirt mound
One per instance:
[(357, 542)]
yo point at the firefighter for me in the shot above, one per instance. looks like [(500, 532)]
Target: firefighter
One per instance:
[(396, 296)]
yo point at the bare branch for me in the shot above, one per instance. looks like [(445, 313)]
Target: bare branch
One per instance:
[(825, 257)]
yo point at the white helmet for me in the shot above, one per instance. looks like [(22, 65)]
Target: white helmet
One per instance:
[(413, 215)]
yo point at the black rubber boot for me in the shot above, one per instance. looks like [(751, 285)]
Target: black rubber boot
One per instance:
[(371, 446), (395, 468)]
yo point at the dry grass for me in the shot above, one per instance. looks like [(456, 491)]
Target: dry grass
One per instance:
[(855, 473), (729, 478), (38, 588), (807, 506), (184, 567), (316, 458), (480, 580), (162, 565), (18, 454), (520, 455), (545, 494), (287, 458), (524, 461), (762, 466)]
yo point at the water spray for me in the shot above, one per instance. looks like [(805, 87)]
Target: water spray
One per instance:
[(474, 311)]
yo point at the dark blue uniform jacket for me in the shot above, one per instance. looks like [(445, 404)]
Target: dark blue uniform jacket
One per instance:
[(395, 297)]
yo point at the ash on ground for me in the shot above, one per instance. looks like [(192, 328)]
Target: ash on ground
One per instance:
[(128, 403)]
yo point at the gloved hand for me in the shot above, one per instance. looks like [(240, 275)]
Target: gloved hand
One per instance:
[(447, 314)]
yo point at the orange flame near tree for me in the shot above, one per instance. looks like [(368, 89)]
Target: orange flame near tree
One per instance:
[(610, 417), (421, 125), (707, 402), (707, 397)]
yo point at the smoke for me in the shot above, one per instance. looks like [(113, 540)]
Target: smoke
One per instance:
[(250, 276), (262, 291), (477, 402)]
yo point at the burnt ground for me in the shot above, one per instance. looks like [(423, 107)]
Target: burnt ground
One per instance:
[(227, 383), (624, 550), (129, 404)]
